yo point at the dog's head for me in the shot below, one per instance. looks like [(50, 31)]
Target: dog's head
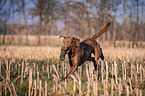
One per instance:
[(68, 43)]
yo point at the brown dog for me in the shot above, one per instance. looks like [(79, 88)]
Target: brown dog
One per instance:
[(78, 53)]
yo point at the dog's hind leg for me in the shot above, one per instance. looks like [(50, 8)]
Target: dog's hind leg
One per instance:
[(102, 56), (98, 52), (94, 62)]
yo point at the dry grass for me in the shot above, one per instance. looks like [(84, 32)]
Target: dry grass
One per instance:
[(33, 70), (128, 54), (52, 40), (40, 52), (30, 52)]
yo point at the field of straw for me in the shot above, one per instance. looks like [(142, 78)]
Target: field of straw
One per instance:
[(36, 70)]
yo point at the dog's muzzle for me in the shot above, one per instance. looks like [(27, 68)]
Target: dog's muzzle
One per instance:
[(62, 55)]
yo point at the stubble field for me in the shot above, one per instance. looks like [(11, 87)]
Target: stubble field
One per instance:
[(36, 70)]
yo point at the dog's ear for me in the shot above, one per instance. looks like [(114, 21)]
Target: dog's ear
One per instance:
[(62, 36), (77, 41)]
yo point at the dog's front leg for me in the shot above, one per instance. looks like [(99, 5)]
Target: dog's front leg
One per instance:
[(73, 65), (72, 69)]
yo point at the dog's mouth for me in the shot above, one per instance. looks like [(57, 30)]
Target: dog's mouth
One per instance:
[(67, 51)]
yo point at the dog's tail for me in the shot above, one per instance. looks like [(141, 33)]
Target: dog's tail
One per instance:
[(104, 29)]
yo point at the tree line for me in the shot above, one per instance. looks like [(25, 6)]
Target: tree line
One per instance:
[(82, 18)]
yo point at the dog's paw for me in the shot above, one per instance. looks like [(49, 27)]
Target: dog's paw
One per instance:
[(62, 79), (102, 57)]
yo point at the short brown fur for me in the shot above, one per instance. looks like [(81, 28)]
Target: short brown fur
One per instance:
[(78, 53)]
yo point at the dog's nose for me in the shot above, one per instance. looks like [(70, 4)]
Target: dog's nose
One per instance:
[(64, 48)]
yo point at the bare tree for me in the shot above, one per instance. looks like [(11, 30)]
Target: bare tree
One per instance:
[(79, 17), (25, 17), (102, 7), (12, 24), (87, 15), (123, 35), (141, 29), (75, 21), (51, 15), (4, 30), (109, 14), (4, 21), (129, 25), (40, 5), (114, 26), (137, 19)]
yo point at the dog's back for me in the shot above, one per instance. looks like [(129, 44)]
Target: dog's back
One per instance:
[(91, 42), (94, 46)]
